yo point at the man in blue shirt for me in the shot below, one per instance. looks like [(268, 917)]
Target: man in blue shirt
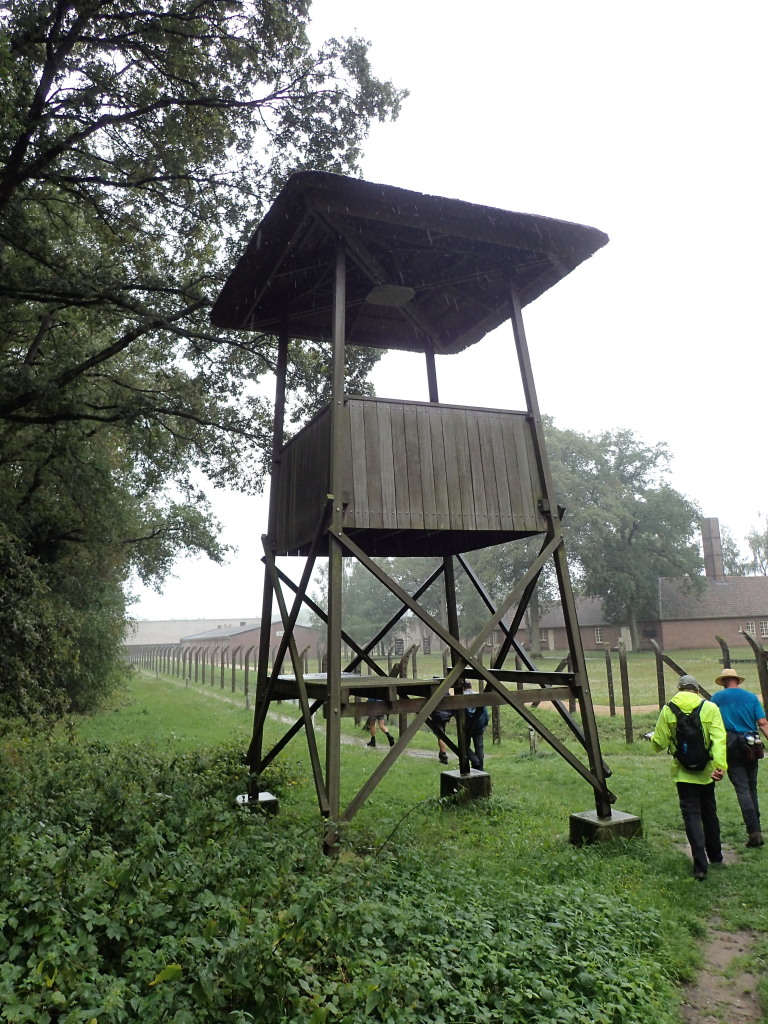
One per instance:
[(743, 715)]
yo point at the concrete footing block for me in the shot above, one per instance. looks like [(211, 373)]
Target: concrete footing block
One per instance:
[(262, 802), (586, 827), (467, 787)]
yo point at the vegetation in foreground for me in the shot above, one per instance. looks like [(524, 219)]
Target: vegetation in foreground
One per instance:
[(136, 889)]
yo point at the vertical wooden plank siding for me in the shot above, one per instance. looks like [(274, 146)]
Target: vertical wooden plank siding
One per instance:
[(510, 441), (413, 463), (454, 485), (525, 466), (303, 483), (428, 500), (464, 463), (476, 470), (501, 473), (370, 441), (359, 510), (439, 469), (413, 466), (402, 505), (386, 465), (490, 486)]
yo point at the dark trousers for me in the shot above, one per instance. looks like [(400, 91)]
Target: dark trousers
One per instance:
[(477, 758), (743, 775), (702, 827)]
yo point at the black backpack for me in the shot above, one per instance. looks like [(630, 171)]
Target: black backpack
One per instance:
[(691, 750)]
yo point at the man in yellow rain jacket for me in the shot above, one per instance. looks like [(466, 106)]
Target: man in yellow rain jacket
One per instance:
[(696, 789)]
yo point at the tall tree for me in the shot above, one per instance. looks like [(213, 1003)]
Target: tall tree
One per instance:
[(757, 539), (140, 143), (498, 569), (625, 525), (734, 563)]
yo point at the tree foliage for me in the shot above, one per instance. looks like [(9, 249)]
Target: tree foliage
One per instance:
[(757, 539), (734, 563), (625, 525), (139, 145)]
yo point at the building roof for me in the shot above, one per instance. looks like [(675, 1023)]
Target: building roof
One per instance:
[(589, 611), (223, 632), (732, 597), (169, 631), (423, 272)]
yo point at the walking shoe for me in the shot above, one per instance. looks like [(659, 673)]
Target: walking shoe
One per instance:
[(700, 876), (391, 739), (755, 839), (442, 757), (371, 742)]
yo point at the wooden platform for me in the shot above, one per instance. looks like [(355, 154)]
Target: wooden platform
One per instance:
[(380, 695)]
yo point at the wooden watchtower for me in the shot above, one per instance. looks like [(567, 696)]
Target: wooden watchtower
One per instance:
[(354, 263)]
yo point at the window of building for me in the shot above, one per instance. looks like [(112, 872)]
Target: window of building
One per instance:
[(543, 636), (598, 634), (750, 628), (763, 627)]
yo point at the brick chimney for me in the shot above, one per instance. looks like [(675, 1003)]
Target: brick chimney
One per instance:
[(713, 549)]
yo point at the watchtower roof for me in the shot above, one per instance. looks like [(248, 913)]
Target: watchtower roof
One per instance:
[(423, 271)]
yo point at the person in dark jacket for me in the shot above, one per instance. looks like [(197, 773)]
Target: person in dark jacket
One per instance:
[(442, 718), (476, 720)]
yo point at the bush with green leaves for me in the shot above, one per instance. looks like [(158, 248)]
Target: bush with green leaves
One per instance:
[(134, 888)]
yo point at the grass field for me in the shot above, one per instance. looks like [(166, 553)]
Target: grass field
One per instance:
[(163, 712)]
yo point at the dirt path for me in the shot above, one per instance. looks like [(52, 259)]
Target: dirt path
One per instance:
[(723, 993)]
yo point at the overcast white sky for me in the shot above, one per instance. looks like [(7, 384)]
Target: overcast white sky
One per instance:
[(646, 121)]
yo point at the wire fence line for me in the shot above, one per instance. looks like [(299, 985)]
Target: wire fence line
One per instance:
[(234, 667)]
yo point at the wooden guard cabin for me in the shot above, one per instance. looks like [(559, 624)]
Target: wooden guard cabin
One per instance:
[(354, 263)]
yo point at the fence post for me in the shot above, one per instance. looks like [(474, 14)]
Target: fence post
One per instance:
[(625, 698), (665, 658), (660, 687), (234, 667), (245, 679), (495, 724), (609, 680), (762, 668), (725, 650)]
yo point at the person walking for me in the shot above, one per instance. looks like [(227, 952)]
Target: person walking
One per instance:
[(441, 719), (381, 722), (743, 716), (476, 721), (696, 789)]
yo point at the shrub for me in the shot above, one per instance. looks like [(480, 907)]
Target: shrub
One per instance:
[(138, 890)]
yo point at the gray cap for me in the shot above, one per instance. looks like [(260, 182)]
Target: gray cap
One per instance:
[(687, 683)]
